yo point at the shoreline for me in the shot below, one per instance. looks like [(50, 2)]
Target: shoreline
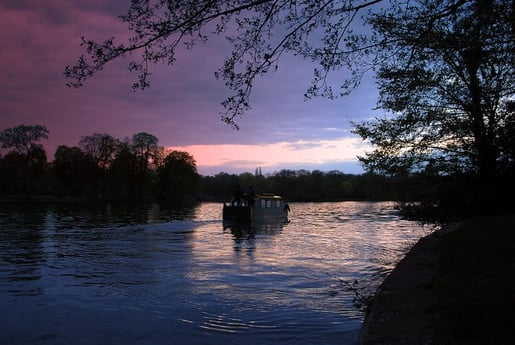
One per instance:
[(404, 304)]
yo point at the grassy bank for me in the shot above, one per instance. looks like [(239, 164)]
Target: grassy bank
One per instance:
[(476, 289)]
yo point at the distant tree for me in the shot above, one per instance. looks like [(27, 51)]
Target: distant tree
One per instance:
[(333, 185), (220, 186), (37, 161), (348, 188), (149, 155), (102, 148), (13, 173), (26, 164), (74, 170), (23, 138), (123, 174), (37, 171), (305, 185), (247, 179), (283, 182), (25, 174), (146, 148), (179, 179)]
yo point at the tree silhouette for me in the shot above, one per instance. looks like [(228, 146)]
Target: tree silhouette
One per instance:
[(445, 68), (74, 170), (101, 148), (447, 73), (261, 32), (23, 138), (27, 161), (178, 177)]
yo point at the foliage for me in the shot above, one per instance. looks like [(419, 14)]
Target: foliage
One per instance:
[(261, 31), (444, 70), (146, 149), (447, 73), (100, 147), (103, 167), (362, 300), (73, 169), (143, 156), (77, 174), (330, 33), (222, 185), (23, 138), (13, 173), (303, 185), (107, 168), (24, 167), (178, 177)]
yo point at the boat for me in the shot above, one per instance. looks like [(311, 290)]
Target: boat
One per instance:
[(266, 207)]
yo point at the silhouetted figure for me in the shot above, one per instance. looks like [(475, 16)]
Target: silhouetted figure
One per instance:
[(286, 211), (251, 196), (237, 196)]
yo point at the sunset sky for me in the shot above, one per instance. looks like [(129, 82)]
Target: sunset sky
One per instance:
[(182, 106)]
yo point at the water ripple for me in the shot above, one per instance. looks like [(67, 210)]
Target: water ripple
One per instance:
[(110, 274)]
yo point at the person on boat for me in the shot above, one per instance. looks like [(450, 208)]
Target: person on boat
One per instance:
[(237, 196), (251, 196)]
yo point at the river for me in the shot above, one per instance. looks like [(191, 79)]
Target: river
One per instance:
[(150, 274)]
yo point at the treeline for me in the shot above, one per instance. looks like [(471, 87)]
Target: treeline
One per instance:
[(102, 167), (74, 174), (304, 185)]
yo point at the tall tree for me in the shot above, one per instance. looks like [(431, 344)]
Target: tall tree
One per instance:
[(447, 74), (23, 138), (145, 147), (102, 148), (27, 162), (124, 182), (179, 179), (74, 170), (14, 174), (148, 156)]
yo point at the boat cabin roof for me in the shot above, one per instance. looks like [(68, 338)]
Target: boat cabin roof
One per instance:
[(268, 196)]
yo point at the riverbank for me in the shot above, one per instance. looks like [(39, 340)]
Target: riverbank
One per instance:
[(453, 287)]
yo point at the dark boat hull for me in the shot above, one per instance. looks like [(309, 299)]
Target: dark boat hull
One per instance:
[(237, 213), (241, 214)]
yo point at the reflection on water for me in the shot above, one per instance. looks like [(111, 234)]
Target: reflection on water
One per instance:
[(151, 274)]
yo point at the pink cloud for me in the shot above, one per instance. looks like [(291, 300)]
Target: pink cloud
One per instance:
[(275, 156)]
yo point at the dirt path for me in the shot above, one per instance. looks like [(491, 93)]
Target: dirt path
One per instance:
[(403, 305)]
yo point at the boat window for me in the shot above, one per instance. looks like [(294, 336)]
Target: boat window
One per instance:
[(269, 203), (263, 203), (278, 203)]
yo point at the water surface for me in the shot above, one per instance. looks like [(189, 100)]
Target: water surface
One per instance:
[(149, 274)]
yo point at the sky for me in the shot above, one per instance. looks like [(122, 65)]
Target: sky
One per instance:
[(181, 107)]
